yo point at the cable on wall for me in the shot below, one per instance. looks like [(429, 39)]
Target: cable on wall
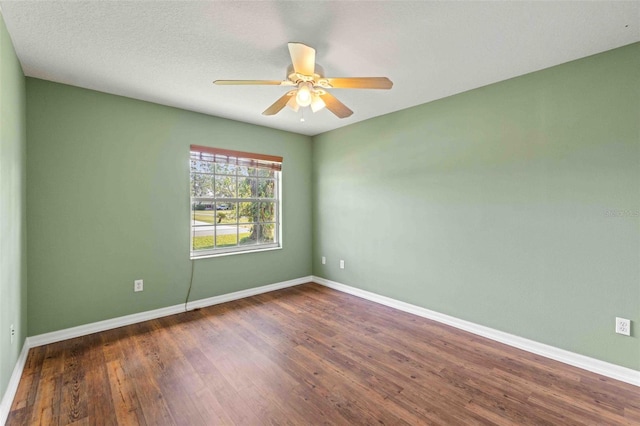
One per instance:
[(193, 264)]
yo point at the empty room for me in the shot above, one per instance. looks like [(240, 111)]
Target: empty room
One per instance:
[(319, 212)]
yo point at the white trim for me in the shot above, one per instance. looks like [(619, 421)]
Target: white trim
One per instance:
[(14, 381), (94, 327), (211, 254), (83, 330), (246, 293), (613, 371)]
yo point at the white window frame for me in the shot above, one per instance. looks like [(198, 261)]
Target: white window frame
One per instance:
[(233, 157)]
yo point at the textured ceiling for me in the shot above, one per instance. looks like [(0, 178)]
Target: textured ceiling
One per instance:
[(170, 52)]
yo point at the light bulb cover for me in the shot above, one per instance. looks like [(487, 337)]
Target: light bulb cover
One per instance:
[(317, 103), (303, 96)]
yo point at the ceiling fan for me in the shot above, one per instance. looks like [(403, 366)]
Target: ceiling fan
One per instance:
[(310, 84)]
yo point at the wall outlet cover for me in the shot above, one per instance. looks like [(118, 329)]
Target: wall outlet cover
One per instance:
[(623, 326), (138, 285)]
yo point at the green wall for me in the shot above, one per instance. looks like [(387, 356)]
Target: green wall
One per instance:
[(13, 142), (515, 206), (108, 202)]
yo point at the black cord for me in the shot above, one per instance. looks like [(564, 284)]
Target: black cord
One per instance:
[(193, 263)]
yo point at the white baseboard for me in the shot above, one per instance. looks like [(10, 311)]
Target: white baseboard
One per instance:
[(12, 387), (246, 293), (83, 330), (613, 371), (94, 327)]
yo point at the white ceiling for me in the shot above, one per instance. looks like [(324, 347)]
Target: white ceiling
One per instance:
[(170, 52)]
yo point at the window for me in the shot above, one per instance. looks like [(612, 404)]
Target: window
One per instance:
[(235, 201)]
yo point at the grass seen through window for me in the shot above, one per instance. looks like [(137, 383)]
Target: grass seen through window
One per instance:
[(206, 242)]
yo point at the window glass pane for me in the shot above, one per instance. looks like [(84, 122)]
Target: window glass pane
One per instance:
[(267, 212), (226, 236), (202, 239), (225, 187), (248, 212), (226, 169), (201, 166), (267, 233), (266, 188), (247, 188), (226, 212), (266, 173), (247, 236), (201, 185), (202, 213), (246, 171)]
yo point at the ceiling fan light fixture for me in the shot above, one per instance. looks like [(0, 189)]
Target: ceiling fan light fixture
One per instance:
[(303, 97), (308, 83), (317, 103)]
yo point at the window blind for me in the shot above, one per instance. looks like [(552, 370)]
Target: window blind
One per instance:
[(239, 158)]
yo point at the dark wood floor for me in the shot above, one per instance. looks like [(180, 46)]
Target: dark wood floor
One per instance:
[(307, 355)]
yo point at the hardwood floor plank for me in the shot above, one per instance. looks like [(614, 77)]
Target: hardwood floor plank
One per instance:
[(74, 405), (447, 409), (47, 390), (408, 372), (265, 376), (100, 406), (25, 395), (343, 365), (281, 352), (145, 374), (123, 395), (632, 414), (123, 392), (312, 380), (184, 377), (307, 355)]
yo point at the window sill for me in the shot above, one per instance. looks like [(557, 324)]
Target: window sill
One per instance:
[(232, 253)]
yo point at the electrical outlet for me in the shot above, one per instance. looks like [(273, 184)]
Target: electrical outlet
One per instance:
[(13, 332), (623, 326), (341, 264), (324, 260), (138, 285)]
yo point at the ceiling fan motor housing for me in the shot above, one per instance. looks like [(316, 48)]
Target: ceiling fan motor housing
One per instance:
[(296, 77)]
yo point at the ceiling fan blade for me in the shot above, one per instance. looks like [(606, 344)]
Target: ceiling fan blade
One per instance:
[(279, 104), (335, 106), (303, 58), (248, 82), (360, 83)]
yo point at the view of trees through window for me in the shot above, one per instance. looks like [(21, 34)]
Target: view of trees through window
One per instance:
[(234, 206)]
